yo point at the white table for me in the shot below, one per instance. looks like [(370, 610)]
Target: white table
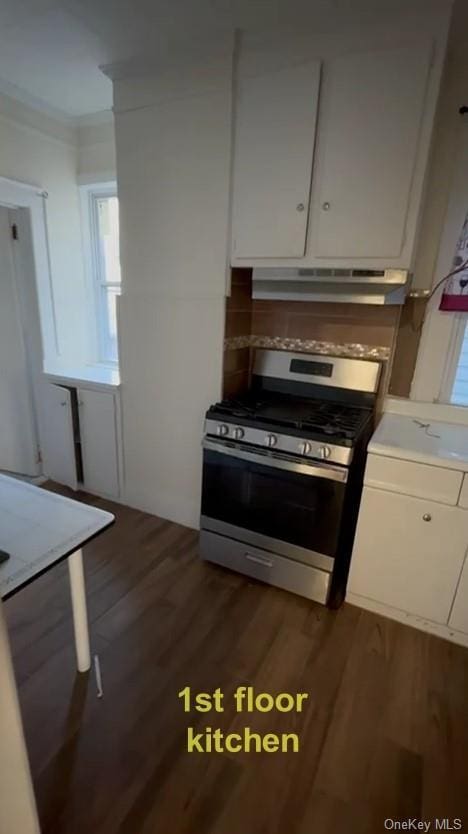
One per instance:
[(38, 528)]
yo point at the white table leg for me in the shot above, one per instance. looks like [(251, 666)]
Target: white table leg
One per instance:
[(80, 615), (18, 811)]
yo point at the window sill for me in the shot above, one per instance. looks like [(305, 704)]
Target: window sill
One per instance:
[(99, 375), (444, 412)]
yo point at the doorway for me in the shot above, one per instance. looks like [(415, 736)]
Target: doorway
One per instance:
[(20, 346)]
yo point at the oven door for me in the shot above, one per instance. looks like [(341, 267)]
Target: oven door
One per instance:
[(288, 506)]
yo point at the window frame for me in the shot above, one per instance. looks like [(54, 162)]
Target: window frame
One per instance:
[(453, 358), (98, 321), (442, 334)]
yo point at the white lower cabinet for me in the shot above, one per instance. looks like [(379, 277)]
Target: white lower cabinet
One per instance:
[(80, 440), (408, 554), (463, 500), (98, 435), (57, 435), (459, 613)]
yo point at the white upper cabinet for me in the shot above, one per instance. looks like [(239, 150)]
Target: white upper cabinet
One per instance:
[(331, 143), (369, 134), (276, 115)]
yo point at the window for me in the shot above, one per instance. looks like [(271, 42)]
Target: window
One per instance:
[(101, 235), (459, 381), (441, 373), (455, 299)]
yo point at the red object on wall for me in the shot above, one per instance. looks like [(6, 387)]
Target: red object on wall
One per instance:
[(455, 294)]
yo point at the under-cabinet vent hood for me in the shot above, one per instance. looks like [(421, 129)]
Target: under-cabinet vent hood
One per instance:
[(353, 286)]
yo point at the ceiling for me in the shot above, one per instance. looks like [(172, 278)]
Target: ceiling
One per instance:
[(51, 50)]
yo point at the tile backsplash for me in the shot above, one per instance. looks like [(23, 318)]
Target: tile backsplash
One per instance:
[(325, 322), (406, 348), (360, 330), (238, 330)]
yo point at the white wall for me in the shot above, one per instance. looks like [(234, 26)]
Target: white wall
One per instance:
[(173, 157), (448, 124), (37, 150), (96, 149), (443, 213)]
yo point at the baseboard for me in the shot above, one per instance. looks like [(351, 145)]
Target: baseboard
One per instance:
[(167, 506), (437, 629)]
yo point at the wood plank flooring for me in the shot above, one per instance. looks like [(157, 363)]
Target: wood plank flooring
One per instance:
[(384, 733)]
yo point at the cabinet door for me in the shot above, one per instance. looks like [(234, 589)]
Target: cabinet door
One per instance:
[(99, 441), (459, 614), (274, 144), (463, 500), (405, 561), (369, 132), (57, 435)]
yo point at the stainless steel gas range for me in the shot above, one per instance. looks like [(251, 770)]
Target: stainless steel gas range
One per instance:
[(283, 468)]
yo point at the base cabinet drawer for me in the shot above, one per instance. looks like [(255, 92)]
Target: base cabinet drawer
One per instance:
[(268, 567), (408, 553), (417, 479)]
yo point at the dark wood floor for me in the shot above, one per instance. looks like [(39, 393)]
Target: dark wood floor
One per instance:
[(385, 733)]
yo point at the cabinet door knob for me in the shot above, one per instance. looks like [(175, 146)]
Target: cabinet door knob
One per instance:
[(300, 207), (63, 403), (326, 205), (427, 517)]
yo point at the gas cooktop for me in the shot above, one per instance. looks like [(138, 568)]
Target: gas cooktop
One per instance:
[(331, 421), (307, 406)]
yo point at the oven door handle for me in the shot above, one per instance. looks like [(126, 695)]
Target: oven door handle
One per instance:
[(316, 470)]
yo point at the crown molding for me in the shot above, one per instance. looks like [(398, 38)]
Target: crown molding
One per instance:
[(102, 117), (183, 54), (34, 103), (94, 127), (16, 112)]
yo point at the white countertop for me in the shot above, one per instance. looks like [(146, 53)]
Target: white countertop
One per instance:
[(38, 528), (101, 375), (418, 438)]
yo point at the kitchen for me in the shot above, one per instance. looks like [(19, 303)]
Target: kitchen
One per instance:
[(289, 199)]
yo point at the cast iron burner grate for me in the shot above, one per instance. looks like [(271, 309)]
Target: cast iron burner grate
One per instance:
[(328, 418)]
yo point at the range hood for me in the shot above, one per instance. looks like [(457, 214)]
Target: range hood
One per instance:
[(352, 286)]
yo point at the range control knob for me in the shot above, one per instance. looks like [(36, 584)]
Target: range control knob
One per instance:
[(271, 440), (305, 447), (238, 433), (222, 430), (324, 452)]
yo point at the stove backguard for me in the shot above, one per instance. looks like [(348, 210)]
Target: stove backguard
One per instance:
[(343, 380)]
